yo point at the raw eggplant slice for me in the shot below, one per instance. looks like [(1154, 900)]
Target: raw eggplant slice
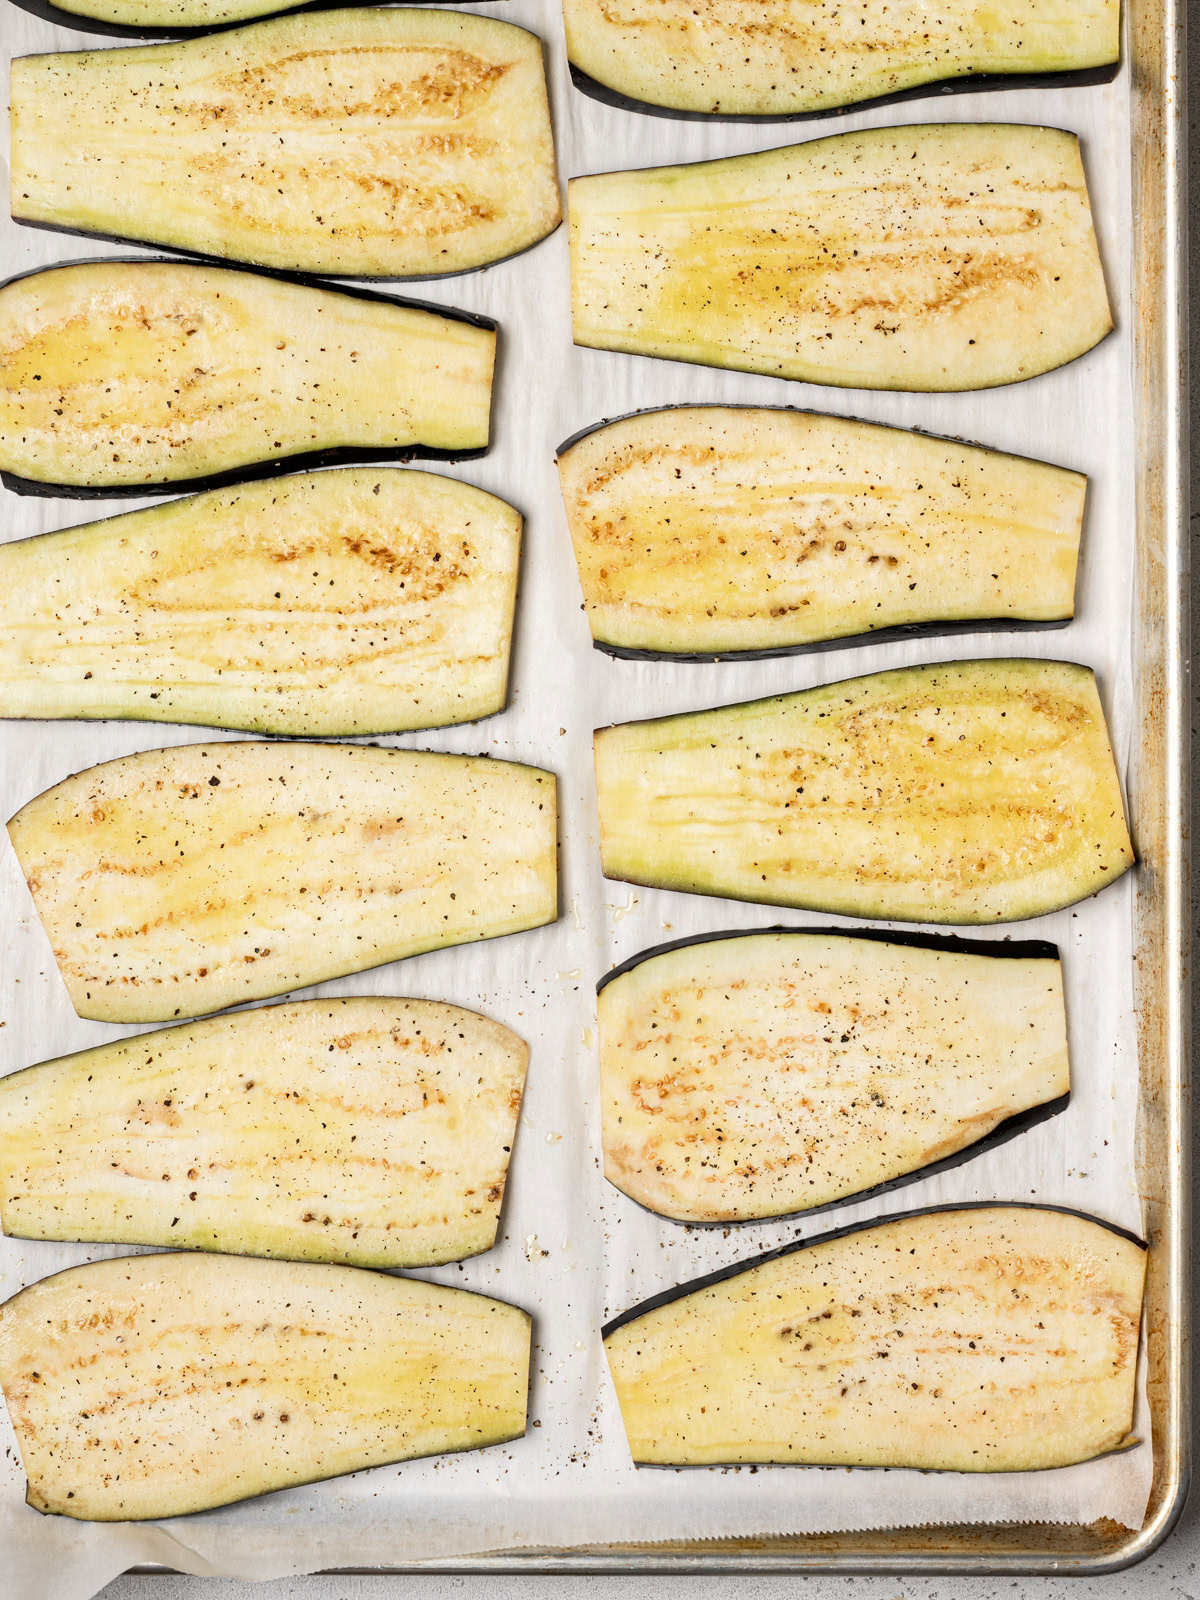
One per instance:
[(970, 791), (752, 1075), (180, 881), (946, 256), (704, 531), (708, 58), (126, 377), (153, 1386), (374, 1132), (369, 143), (165, 19), (881, 1345), (360, 600)]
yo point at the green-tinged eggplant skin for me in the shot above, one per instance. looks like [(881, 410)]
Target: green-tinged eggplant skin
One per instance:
[(1130, 1442), (961, 792), (455, 433), (895, 1420), (356, 601), (791, 262), (149, 31), (304, 280), (969, 83), (369, 1132), (183, 881), (281, 1374), (336, 281), (404, 143), (705, 533), (709, 1120), (850, 641), (720, 405), (667, 1297)]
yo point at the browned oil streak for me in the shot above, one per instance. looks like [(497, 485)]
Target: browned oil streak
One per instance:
[(449, 87)]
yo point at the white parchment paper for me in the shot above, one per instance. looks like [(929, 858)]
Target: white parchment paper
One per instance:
[(573, 1250)]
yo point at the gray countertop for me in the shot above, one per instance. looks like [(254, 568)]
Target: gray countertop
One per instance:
[(1172, 1574)]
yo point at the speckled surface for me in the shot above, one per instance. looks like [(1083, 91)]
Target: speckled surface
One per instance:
[(1172, 1574)]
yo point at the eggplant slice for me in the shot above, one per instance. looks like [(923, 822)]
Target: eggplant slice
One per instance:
[(369, 143), (360, 600), (881, 1345), (757, 1075), (706, 531), (969, 792), (938, 257), (133, 376), (716, 58), (180, 881), (373, 1132), (154, 1386)]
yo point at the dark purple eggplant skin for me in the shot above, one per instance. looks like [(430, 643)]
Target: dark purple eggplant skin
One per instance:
[(666, 1296), (304, 461), (306, 280), (849, 641), (336, 280), (117, 30), (803, 411), (1011, 1128), (950, 944), (968, 83)]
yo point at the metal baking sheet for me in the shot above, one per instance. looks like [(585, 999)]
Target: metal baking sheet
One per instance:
[(546, 391)]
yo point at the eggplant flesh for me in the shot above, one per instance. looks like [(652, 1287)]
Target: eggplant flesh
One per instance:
[(763, 1074), (154, 1386), (372, 1132), (371, 142), (124, 377), (704, 531), (882, 1346), (359, 600), (967, 792), (180, 881), (938, 257), (784, 60)]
